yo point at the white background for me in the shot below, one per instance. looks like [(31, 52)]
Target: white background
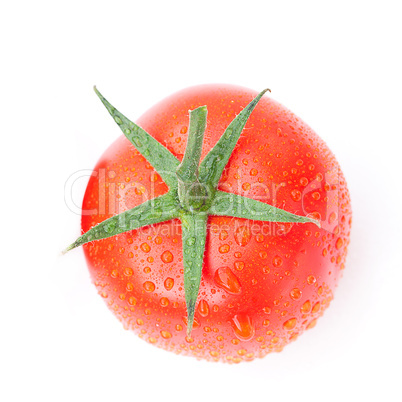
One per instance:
[(335, 64)]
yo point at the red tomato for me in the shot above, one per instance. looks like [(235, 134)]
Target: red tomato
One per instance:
[(262, 283)]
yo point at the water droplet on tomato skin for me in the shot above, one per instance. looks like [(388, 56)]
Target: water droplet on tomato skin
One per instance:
[(149, 286), (227, 280), (166, 334), (306, 307), (316, 195), (164, 301), (169, 283), (224, 249), (223, 235), (239, 265), (203, 308), (296, 195), (290, 324), (145, 247), (316, 308), (304, 181), (128, 271), (242, 235), (246, 186), (339, 243), (243, 327), (277, 261), (167, 257), (311, 279), (295, 294)]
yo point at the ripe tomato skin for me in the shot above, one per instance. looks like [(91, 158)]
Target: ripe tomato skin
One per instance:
[(263, 284)]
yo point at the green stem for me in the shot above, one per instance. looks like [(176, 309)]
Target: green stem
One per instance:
[(212, 166), (237, 206), (161, 159), (191, 193), (194, 233), (156, 210)]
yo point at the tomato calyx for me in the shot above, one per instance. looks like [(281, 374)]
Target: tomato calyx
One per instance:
[(192, 195)]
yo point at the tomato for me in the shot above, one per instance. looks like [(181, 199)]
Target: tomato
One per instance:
[(262, 283)]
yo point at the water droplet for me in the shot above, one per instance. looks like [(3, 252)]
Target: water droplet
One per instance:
[(136, 140), (128, 271), (306, 307), (117, 120), (316, 308), (277, 261), (203, 308), (242, 235), (295, 294), (316, 195), (239, 265), (267, 310), (332, 217), (227, 280), (145, 247), (183, 130), (246, 186), (132, 301), (223, 235), (339, 243), (164, 301), (299, 162), (259, 238), (167, 257), (312, 324), (166, 334), (296, 195), (290, 324), (303, 181), (228, 132), (109, 227), (243, 327), (214, 353), (190, 241), (149, 286), (253, 172), (224, 249), (169, 282), (311, 279)]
